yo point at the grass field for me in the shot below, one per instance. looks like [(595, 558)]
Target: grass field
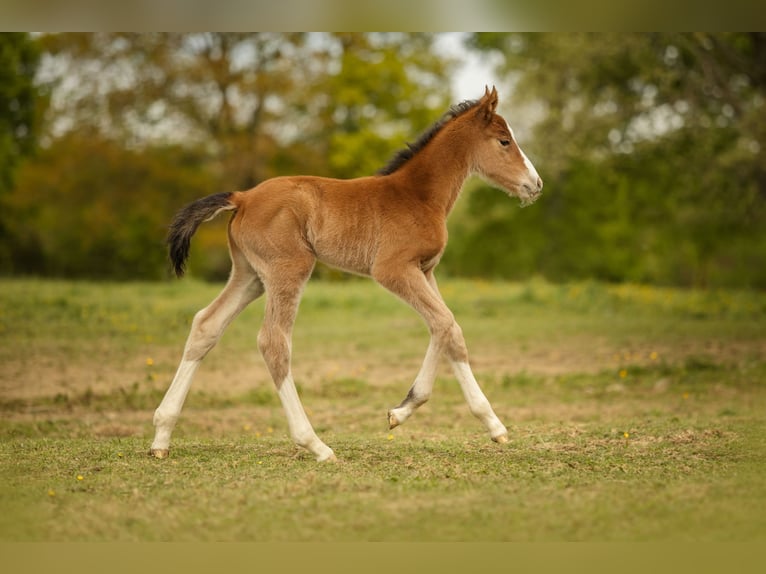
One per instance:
[(635, 413)]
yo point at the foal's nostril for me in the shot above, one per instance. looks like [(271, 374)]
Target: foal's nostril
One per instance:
[(539, 184)]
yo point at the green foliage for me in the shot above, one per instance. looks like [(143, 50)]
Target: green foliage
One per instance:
[(91, 208), (213, 90), (19, 58), (650, 149), (388, 88), (19, 113), (650, 146), (257, 97), (613, 220), (140, 124)]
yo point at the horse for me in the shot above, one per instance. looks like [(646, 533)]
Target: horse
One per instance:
[(390, 226)]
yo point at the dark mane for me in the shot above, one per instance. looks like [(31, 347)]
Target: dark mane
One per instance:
[(406, 154)]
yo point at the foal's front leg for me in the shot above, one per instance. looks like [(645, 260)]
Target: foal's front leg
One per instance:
[(420, 291), (421, 389)]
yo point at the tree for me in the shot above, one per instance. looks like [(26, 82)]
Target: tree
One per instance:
[(87, 207), (19, 57), (388, 88), (19, 103), (215, 90), (650, 149), (243, 107), (250, 98)]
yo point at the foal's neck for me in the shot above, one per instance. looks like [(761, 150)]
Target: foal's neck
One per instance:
[(437, 172)]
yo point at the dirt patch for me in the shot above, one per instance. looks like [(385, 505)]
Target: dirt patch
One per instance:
[(228, 374)]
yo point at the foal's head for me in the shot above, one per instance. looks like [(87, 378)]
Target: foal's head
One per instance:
[(497, 157)]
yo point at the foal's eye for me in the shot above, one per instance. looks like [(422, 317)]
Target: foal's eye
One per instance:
[(505, 143)]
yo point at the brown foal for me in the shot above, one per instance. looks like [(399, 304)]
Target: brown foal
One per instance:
[(390, 226)]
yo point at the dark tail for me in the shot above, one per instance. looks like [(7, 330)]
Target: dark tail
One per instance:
[(186, 222)]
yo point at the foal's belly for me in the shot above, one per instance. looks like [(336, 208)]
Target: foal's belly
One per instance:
[(346, 255)]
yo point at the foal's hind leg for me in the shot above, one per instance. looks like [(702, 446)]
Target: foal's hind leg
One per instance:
[(274, 341), (419, 290), (208, 326)]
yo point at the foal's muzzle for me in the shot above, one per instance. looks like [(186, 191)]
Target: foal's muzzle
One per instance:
[(530, 193)]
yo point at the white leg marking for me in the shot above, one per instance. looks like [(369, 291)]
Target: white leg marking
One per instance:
[(421, 389), (167, 413), (300, 428), (477, 402), (207, 327)]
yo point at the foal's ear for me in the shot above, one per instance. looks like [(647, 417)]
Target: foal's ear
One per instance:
[(488, 103)]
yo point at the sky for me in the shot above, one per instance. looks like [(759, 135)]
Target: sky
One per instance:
[(474, 72)]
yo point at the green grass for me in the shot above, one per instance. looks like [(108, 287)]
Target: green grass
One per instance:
[(635, 413)]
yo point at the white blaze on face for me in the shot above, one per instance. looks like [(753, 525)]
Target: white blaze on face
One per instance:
[(531, 168), (533, 175)]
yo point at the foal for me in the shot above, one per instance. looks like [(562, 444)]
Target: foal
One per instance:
[(390, 226)]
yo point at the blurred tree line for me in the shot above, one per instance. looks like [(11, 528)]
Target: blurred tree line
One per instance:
[(651, 146), (19, 115)]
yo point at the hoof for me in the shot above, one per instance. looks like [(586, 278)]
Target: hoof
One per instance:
[(392, 421), (501, 439), (159, 452), (331, 458)]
